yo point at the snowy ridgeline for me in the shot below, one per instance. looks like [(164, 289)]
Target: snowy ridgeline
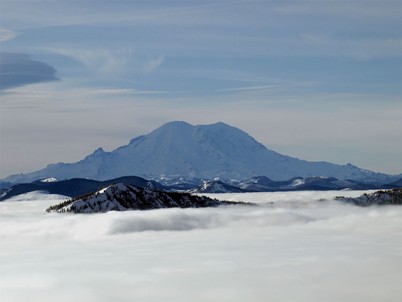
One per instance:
[(387, 197), (122, 197)]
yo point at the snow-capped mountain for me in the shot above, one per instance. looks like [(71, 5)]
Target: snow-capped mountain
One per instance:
[(178, 149), (121, 197)]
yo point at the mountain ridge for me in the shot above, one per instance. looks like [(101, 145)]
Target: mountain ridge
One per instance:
[(205, 151), (79, 186), (123, 197)]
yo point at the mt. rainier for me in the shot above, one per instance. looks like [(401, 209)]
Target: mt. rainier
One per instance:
[(203, 151)]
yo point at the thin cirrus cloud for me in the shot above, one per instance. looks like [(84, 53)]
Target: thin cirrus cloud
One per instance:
[(19, 69), (102, 62), (110, 62), (153, 63), (6, 34)]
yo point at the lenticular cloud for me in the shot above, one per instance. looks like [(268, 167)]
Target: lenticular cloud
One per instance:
[(292, 246), (18, 69)]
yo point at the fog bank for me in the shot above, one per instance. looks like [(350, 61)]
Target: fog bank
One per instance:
[(291, 247)]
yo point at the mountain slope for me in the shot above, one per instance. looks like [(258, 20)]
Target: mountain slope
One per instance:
[(121, 197), (204, 151), (387, 197), (76, 186)]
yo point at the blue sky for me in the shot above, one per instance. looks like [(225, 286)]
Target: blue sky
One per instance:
[(318, 80)]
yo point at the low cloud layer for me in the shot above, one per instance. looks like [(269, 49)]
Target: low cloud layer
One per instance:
[(18, 69), (290, 248)]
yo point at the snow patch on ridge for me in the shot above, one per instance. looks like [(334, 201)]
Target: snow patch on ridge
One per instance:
[(50, 179)]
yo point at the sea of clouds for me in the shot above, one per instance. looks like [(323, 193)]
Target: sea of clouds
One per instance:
[(291, 246)]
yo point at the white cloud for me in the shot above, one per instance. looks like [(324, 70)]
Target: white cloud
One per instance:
[(111, 63), (103, 62), (153, 63), (6, 34), (244, 28), (251, 88), (123, 92), (224, 254)]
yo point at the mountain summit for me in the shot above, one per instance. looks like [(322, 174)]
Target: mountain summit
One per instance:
[(204, 151)]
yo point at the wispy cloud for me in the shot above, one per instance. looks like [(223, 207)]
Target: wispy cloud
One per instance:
[(250, 88), (104, 62), (226, 28), (124, 92), (153, 64), (6, 34), (110, 63)]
